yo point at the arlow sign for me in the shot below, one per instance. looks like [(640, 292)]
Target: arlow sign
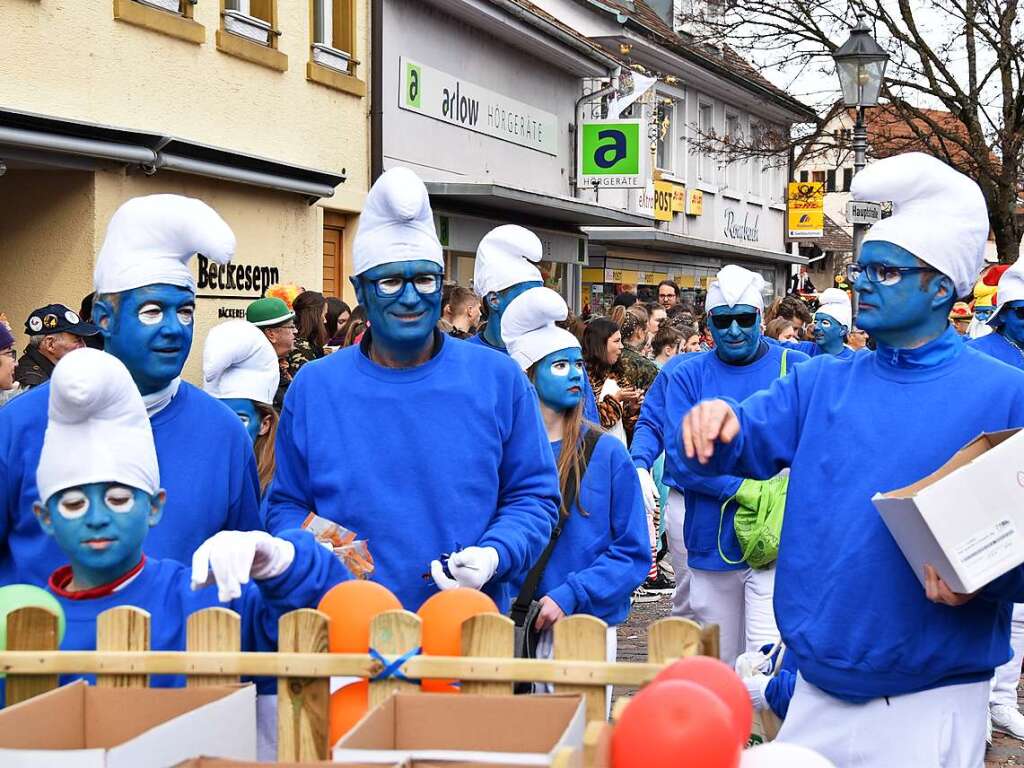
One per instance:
[(611, 154), (455, 101)]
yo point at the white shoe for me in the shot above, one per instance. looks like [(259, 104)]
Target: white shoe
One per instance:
[(1008, 720)]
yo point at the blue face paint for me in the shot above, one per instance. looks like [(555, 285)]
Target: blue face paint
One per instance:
[(736, 344), (559, 379), (829, 333), (1011, 326), (403, 324), (497, 304), (101, 528), (904, 314), (246, 411), (984, 313), (150, 332)]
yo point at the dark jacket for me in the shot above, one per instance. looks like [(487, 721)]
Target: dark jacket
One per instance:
[(33, 368)]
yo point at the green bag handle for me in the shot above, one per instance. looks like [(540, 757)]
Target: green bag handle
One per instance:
[(761, 515)]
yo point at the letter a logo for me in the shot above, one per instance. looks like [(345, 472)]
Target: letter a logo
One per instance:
[(612, 150)]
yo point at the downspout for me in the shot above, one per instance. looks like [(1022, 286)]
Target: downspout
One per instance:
[(613, 87), (376, 89)]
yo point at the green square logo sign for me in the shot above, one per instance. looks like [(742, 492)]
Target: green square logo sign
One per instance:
[(413, 85), (611, 149)]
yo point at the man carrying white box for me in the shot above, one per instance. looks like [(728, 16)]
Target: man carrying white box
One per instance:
[(890, 674)]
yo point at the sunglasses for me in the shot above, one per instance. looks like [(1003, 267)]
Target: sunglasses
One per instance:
[(742, 319)]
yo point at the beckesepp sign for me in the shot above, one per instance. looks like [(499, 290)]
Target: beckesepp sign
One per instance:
[(611, 154), (455, 101)]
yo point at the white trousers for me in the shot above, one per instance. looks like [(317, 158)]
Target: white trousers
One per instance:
[(546, 650), (940, 728), (740, 603), (1007, 677), (675, 510)]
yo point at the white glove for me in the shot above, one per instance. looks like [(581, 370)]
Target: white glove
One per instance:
[(649, 490), (471, 567), (236, 556)]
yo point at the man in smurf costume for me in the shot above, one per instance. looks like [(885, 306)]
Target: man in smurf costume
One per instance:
[(447, 454), (832, 323), (894, 667), (144, 308)]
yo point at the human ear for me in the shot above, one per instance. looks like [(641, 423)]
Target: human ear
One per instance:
[(156, 507), (358, 288), (42, 514), (104, 317), (264, 426)]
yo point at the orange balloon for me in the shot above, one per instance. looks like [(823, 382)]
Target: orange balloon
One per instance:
[(675, 723), (348, 705), (352, 605), (719, 678), (442, 616)]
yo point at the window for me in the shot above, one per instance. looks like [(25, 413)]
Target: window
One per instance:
[(170, 17), (706, 129), (847, 179), (830, 180), (249, 31), (334, 34), (756, 161), (804, 176), (735, 136), (818, 177), (666, 134)]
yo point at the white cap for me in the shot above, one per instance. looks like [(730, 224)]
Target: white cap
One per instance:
[(835, 303), (938, 214), (239, 362), (735, 285), (528, 326), (505, 257), (151, 239), (396, 224), (98, 430)]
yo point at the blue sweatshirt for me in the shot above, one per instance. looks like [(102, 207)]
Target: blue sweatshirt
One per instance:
[(419, 461), (811, 349), (207, 467), (601, 557), (648, 434), (704, 376), (996, 345), (848, 605)]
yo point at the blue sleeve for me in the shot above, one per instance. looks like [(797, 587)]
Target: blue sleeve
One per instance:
[(647, 442), (310, 576), (528, 494), (1007, 588), (600, 589), (289, 497), (780, 691)]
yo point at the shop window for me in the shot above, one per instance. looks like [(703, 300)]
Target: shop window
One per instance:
[(706, 129), (170, 17), (249, 31), (332, 60)]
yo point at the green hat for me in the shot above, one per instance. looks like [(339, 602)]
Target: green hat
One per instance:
[(269, 311)]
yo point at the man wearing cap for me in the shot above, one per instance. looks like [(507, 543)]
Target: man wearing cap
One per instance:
[(892, 673), (53, 331), (446, 453), (272, 316), (144, 308), (832, 323)]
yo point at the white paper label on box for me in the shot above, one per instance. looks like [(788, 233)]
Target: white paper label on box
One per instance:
[(986, 549)]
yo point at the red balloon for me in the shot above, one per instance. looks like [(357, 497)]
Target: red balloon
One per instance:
[(352, 605), (675, 723), (442, 615), (720, 679)]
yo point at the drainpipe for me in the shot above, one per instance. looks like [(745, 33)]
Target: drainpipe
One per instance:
[(577, 117), (376, 89)]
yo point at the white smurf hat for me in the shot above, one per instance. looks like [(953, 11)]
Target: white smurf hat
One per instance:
[(97, 430), (396, 224), (835, 303), (151, 239), (506, 257), (239, 362), (735, 285), (938, 214), (528, 326)]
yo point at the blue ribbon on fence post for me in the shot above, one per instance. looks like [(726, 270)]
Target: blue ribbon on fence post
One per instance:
[(393, 668)]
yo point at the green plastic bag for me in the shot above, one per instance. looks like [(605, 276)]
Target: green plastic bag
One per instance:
[(758, 520)]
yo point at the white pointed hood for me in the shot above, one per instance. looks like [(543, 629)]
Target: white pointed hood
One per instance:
[(506, 257), (528, 326), (735, 285), (239, 362)]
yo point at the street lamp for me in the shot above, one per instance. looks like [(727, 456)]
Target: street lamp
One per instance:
[(860, 62)]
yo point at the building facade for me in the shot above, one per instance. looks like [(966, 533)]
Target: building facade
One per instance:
[(257, 107)]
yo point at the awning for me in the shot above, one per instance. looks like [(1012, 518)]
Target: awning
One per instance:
[(498, 201), (41, 141), (660, 240)]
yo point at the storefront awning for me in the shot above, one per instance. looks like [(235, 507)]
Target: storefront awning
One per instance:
[(659, 240), (42, 141), (504, 202)]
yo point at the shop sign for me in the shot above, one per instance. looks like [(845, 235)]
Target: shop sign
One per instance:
[(233, 281), (805, 212), (664, 191), (745, 228), (695, 202), (611, 154), (455, 101), (678, 198)]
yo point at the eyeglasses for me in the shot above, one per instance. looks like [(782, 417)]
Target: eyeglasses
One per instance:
[(882, 274), (743, 319), (425, 285), (11, 353)]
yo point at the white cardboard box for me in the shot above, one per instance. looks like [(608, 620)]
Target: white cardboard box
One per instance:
[(967, 517), (81, 726)]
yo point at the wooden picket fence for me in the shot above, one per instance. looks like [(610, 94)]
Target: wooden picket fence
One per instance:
[(303, 666)]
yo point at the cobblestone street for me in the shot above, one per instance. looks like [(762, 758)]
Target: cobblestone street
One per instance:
[(633, 647)]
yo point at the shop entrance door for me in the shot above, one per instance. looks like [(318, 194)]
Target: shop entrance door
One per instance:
[(334, 264)]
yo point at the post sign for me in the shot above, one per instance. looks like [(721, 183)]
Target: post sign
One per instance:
[(805, 211), (612, 155), (862, 212), (695, 202), (663, 194), (678, 198), (455, 101)]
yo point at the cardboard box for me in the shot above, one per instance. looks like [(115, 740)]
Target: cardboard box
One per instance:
[(81, 726), (967, 518), (215, 762), (488, 730)]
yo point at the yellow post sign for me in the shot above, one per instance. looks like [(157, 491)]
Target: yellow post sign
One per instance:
[(678, 198), (663, 193), (695, 203), (806, 209)]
